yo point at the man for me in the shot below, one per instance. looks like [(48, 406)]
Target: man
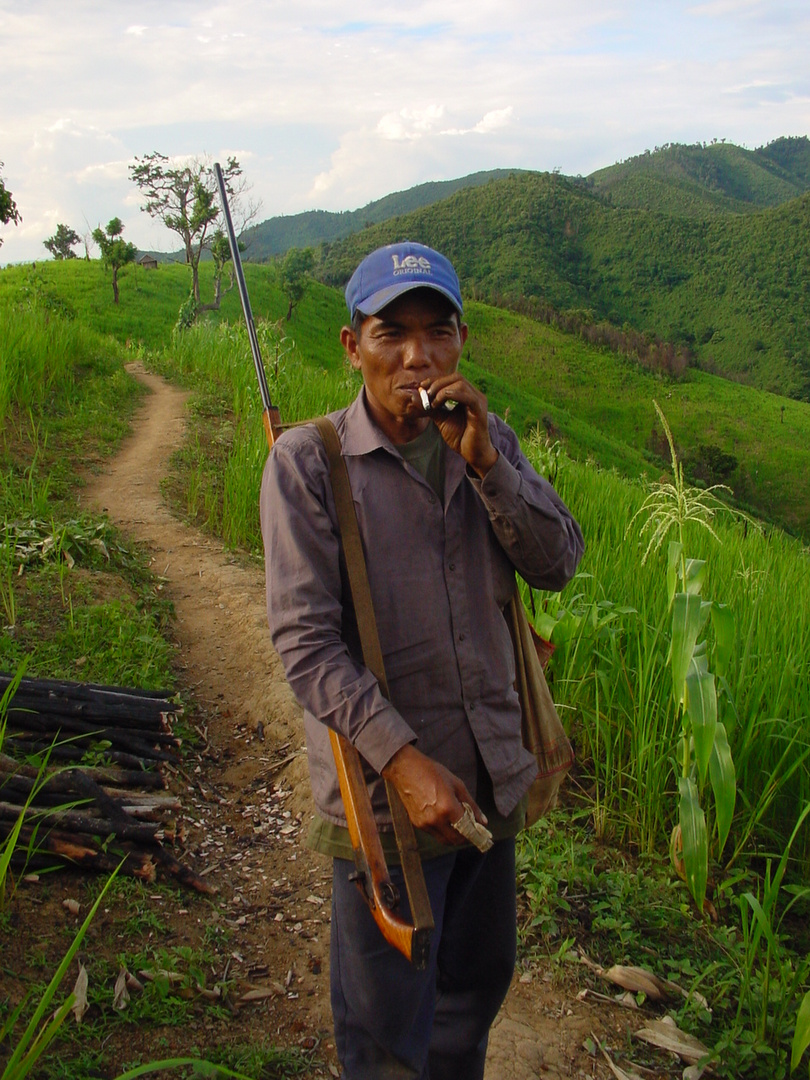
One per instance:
[(448, 509)]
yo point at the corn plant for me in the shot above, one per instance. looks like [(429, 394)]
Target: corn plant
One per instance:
[(703, 751), (801, 1036)]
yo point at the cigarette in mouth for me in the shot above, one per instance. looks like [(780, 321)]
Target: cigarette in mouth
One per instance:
[(448, 405)]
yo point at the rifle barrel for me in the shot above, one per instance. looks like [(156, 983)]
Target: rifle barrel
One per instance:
[(243, 293)]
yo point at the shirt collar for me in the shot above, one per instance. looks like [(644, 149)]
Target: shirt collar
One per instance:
[(360, 434)]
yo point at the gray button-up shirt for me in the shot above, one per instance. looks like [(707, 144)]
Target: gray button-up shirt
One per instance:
[(440, 575)]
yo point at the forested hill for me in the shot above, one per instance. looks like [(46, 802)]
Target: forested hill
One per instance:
[(700, 180), (685, 180), (732, 287), (278, 234)]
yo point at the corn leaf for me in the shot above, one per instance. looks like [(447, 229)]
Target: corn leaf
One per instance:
[(694, 839), (673, 558), (801, 1036), (686, 623), (724, 784), (724, 632), (695, 575), (700, 701)]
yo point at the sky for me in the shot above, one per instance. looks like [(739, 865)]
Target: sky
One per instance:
[(329, 105)]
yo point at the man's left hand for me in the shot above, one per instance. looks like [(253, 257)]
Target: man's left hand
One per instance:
[(464, 428)]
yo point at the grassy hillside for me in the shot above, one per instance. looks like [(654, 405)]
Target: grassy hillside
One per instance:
[(733, 287), (597, 404), (64, 401)]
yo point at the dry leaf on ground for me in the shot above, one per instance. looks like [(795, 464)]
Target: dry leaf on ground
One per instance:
[(80, 1005), (666, 1035)]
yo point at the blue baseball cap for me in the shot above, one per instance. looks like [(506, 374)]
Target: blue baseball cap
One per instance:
[(392, 270)]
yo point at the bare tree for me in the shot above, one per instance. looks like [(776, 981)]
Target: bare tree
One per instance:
[(184, 198)]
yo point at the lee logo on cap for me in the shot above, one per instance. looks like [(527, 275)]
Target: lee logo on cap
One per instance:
[(410, 262)]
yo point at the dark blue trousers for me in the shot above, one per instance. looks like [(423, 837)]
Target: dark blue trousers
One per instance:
[(395, 1023)]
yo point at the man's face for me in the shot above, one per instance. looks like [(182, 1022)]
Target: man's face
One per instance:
[(417, 336)]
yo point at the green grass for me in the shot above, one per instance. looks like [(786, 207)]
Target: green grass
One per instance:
[(599, 404), (611, 625), (609, 673), (581, 897), (583, 391), (78, 601)]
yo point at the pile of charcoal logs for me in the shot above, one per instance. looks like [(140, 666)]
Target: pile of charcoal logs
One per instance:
[(86, 767)]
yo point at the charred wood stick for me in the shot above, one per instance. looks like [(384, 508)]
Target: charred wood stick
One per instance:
[(184, 874), (52, 721), (146, 798), (138, 864), (76, 785), (139, 810), (17, 794), (137, 749), (85, 824), (119, 712), (56, 788), (87, 691), (122, 778), (117, 779), (28, 743)]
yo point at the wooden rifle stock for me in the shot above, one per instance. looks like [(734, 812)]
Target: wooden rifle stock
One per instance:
[(372, 877), (382, 896)]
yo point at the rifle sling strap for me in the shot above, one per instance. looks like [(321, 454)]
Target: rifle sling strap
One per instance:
[(373, 658)]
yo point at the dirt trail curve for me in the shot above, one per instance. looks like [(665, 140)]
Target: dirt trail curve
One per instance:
[(252, 779)]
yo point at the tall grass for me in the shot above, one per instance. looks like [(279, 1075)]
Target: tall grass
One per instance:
[(216, 360), (610, 673), (611, 669), (38, 356)]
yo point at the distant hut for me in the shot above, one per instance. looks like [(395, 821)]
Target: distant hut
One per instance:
[(148, 262)]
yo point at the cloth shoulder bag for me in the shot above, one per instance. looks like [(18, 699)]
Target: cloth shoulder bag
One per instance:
[(543, 733)]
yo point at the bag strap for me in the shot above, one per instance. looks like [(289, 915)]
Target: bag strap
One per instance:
[(372, 657)]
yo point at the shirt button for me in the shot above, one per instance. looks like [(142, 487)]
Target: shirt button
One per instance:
[(451, 566), (461, 637), (472, 706)]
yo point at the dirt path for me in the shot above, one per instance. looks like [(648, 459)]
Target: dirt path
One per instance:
[(250, 798)]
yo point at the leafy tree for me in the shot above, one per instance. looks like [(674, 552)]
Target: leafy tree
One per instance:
[(295, 276), (61, 243), (8, 208), (221, 254), (115, 251), (185, 199)]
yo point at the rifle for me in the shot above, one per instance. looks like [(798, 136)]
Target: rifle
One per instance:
[(412, 939)]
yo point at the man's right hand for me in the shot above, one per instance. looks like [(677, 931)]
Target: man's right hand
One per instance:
[(431, 794)]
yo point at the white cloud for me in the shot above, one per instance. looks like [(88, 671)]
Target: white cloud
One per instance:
[(102, 171), (491, 121), (334, 104), (409, 124)]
